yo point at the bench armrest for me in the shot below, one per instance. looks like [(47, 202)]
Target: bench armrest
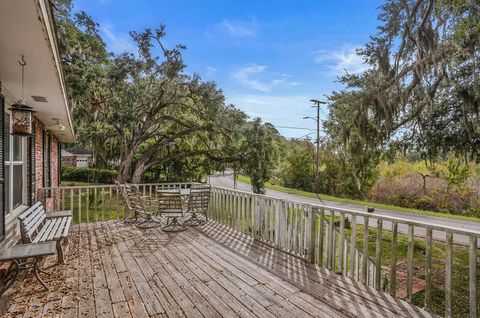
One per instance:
[(58, 214)]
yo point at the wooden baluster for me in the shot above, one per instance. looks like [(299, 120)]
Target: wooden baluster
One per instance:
[(80, 205), (320, 236), (410, 247), (110, 203), (378, 255), (341, 242), (95, 212), (448, 275), (102, 196), (353, 244), (295, 229), (473, 277), (428, 268), (365, 251), (334, 249), (393, 260), (71, 201), (87, 205), (312, 216), (278, 225), (330, 240)]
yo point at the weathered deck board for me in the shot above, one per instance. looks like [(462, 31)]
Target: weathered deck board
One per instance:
[(116, 270)]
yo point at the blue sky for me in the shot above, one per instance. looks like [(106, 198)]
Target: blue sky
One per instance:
[(269, 57)]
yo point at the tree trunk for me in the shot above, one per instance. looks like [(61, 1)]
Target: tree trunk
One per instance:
[(140, 168), (123, 174)]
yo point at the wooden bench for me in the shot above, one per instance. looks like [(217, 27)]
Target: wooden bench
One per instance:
[(38, 226)]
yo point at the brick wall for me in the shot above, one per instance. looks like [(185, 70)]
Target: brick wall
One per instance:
[(39, 159), (39, 126), (54, 164)]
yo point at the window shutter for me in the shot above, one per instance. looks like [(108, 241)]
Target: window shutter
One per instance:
[(2, 168), (31, 168)]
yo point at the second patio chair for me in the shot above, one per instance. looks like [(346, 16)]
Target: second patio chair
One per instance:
[(143, 207), (122, 192), (198, 204), (170, 206)]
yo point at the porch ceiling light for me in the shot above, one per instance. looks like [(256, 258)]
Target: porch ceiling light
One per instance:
[(22, 114)]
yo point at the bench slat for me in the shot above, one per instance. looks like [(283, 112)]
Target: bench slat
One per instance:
[(24, 215), (34, 228), (53, 230), (41, 237), (66, 230), (33, 216), (61, 226)]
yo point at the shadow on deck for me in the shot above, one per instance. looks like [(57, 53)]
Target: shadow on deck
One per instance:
[(117, 270)]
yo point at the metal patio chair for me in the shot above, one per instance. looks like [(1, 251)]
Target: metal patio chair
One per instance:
[(144, 208), (122, 191), (170, 205), (197, 204)]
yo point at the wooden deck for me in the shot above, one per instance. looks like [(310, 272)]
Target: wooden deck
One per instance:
[(117, 270)]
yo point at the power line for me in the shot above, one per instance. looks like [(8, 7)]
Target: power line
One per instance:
[(289, 127)]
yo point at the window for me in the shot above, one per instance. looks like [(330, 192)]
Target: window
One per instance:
[(14, 168)]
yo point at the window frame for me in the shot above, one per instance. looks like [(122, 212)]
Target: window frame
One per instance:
[(9, 164)]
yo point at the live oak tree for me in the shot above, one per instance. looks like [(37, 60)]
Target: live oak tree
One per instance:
[(154, 107), (258, 153), (423, 57)]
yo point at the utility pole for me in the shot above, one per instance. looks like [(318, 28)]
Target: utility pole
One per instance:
[(317, 104)]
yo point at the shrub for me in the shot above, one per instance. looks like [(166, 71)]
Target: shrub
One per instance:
[(440, 196), (88, 174)]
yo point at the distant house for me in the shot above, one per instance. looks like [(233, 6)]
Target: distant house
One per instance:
[(81, 158)]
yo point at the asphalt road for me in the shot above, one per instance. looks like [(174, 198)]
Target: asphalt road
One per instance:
[(226, 181)]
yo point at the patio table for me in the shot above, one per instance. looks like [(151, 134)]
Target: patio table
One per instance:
[(183, 192), (19, 255)]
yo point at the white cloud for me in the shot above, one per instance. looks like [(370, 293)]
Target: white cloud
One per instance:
[(117, 42), (238, 29), (257, 77), (210, 70), (244, 76), (295, 83), (338, 61)]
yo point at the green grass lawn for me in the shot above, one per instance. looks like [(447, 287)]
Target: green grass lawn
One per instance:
[(359, 202)]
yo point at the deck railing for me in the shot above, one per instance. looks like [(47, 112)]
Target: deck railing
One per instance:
[(363, 246), (325, 236)]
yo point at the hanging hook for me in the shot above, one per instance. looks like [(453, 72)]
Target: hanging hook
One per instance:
[(23, 62)]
